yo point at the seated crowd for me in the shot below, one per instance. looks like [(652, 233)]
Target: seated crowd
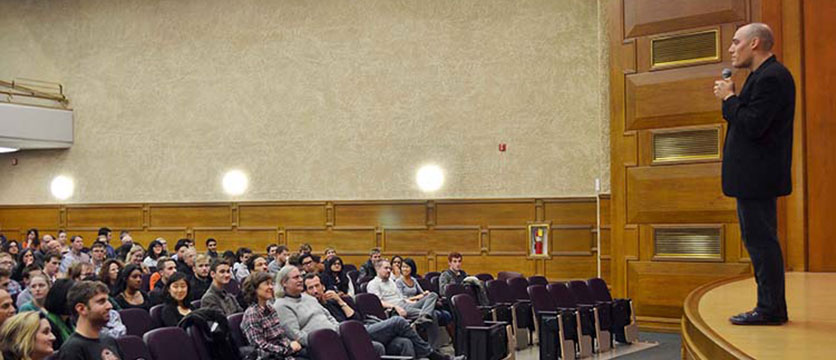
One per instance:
[(59, 298)]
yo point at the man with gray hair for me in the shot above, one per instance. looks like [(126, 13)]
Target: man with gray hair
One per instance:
[(757, 159)]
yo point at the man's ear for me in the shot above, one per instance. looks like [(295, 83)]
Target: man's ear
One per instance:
[(80, 309)]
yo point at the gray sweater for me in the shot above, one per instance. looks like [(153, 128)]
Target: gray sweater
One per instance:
[(303, 315)]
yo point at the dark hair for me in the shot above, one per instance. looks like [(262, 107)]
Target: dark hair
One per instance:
[(5, 273), (104, 272), (251, 262), (123, 233), (161, 262), (175, 278), (72, 238), (304, 256), (294, 260), (182, 243), (211, 240), (229, 256), (8, 245), (335, 280), (122, 283), (150, 252), (82, 292), (58, 301), (241, 251), (31, 268), (309, 276), (37, 240), (454, 255), (103, 231), (280, 249), (52, 255), (305, 248), (216, 263), (412, 266), (98, 243), (251, 284), (392, 260), (75, 270), (271, 246)]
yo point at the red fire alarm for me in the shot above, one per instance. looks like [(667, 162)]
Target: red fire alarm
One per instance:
[(502, 147), (14, 161)]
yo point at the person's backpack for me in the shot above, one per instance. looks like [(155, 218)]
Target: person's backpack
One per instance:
[(216, 333)]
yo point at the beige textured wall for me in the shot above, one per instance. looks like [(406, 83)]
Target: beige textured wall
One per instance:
[(318, 99)]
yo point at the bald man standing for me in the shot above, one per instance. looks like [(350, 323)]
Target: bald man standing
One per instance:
[(756, 162)]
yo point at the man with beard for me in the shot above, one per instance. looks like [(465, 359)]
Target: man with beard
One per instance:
[(88, 300)]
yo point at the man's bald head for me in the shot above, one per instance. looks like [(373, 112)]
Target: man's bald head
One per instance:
[(760, 31)]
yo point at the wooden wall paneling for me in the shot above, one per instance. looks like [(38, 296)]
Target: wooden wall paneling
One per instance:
[(356, 241), (563, 268), (465, 240), (282, 215), (658, 289), (733, 242), (643, 17), (256, 240), (820, 110), (484, 213), (508, 240), (643, 49), (475, 264), (406, 214), (25, 218), (570, 212), (678, 194), (116, 217), (629, 63), (162, 216), (572, 240)]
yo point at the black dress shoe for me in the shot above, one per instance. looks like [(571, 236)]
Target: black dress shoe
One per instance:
[(755, 317)]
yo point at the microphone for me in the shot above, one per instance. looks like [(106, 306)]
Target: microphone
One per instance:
[(727, 74)]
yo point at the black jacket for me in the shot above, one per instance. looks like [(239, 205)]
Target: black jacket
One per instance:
[(757, 153)]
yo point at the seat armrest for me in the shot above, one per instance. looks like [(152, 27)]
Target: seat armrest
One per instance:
[(494, 323), (396, 357)]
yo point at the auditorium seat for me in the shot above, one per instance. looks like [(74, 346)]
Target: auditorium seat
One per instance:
[(370, 304), (354, 275), (325, 344), (585, 318), (601, 311), (196, 304), (500, 294), (484, 277), (476, 338), (238, 337), (505, 275), (358, 343), (556, 328), (625, 329), (137, 321), (432, 274), (157, 316), (233, 287), (434, 284), (518, 287), (425, 284), (170, 343), (349, 267), (132, 347), (198, 341), (538, 280), (145, 285)]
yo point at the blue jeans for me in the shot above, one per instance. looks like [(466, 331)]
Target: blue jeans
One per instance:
[(393, 331)]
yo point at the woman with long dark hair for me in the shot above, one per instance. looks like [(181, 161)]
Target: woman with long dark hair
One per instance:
[(155, 251), (24, 259), (407, 284), (130, 294), (335, 278), (33, 239), (12, 247), (109, 275), (176, 297)]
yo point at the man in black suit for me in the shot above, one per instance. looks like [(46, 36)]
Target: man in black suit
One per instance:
[(756, 162)]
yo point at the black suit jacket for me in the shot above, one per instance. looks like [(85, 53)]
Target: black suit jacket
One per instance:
[(758, 150)]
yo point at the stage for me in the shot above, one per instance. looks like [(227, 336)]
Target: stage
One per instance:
[(811, 301)]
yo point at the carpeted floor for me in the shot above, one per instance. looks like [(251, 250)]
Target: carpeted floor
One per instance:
[(652, 346)]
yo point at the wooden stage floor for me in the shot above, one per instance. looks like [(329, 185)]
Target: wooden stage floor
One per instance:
[(810, 333)]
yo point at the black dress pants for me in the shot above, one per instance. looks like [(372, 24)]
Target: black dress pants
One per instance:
[(759, 231)]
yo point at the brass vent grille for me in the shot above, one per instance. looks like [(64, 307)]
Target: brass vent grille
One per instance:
[(685, 49), (682, 145), (688, 242)]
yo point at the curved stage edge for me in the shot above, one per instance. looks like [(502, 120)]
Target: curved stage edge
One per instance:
[(811, 301)]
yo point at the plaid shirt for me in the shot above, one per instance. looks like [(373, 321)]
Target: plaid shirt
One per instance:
[(262, 328)]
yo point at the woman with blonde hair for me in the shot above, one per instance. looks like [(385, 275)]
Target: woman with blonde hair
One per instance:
[(26, 336), (137, 256)]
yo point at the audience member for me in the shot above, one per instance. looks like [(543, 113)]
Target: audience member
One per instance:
[(135, 256), (305, 249), (262, 325), (301, 314), (26, 336), (130, 293), (25, 295), (216, 297), (7, 307), (185, 262), (257, 263), (329, 253), (367, 270), (279, 260), (181, 248), (230, 257), (212, 248), (58, 312), (201, 280), (6, 282), (154, 253), (420, 311), (271, 250), (52, 261), (308, 263), (166, 268), (240, 268), (455, 275), (25, 258), (74, 255), (39, 285), (104, 236), (89, 302), (407, 284), (33, 239), (62, 241), (98, 252), (391, 332), (334, 277), (176, 300), (12, 247), (396, 263), (109, 274), (81, 271)]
